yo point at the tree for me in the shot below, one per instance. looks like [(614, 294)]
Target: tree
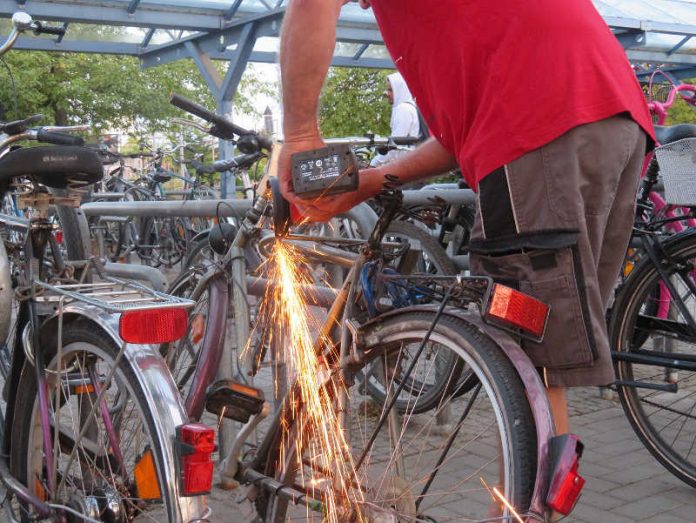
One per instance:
[(105, 91), (353, 102)]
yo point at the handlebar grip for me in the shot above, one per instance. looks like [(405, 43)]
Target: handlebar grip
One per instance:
[(192, 107), (58, 138), (202, 168), (48, 29), (223, 128), (240, 161), (405, 140)]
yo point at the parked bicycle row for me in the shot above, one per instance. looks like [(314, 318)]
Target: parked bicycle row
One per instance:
[(107, 381)]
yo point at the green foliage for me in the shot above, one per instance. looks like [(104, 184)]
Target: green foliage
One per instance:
[(681, 112), (353, 103), (104, 91)]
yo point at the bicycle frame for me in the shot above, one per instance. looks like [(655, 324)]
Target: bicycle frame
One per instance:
[(340, 311)]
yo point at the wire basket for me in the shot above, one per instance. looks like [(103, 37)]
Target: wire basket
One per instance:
[(677, 162), (111, 294)]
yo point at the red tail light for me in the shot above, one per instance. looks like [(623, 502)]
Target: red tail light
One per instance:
[(153, 325), (59, 236), (566, 484), (196, 444), (516, 309)]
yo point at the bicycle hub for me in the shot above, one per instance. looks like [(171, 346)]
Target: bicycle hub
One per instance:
[(326, 171)]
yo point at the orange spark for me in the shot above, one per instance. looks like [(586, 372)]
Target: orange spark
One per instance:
[(319, 440)]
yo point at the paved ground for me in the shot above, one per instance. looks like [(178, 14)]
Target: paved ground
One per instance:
[(624, 482)]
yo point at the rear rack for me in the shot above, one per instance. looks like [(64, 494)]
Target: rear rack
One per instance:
[(112, 295)]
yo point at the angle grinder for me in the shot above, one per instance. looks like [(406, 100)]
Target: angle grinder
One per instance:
[(320, 172)]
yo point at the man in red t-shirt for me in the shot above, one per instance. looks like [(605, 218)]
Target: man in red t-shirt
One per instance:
[(539, 107)]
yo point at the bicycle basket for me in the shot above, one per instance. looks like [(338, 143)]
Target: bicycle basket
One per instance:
[(677, 162)]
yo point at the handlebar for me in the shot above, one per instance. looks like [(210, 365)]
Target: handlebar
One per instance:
[(222, 127), (372, 141), (47, 136), (21, 22), (687, 93), (41, 29)]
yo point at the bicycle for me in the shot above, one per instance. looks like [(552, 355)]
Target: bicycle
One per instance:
[(386, 477), (92, 428), (651, 322)]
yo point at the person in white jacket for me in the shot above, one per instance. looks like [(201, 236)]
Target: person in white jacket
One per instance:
[(404, 116)]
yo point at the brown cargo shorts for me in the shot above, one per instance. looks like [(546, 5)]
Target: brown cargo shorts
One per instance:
[(555, 224)]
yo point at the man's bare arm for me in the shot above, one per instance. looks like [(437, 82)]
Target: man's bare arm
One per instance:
[(307, 45)]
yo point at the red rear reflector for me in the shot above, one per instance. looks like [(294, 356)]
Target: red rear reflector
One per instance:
[(518, 309), (566, 484), (59, 236), (153, 325), (197, 328), (196, 443)]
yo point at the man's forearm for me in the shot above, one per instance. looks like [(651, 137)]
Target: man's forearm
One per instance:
[(426, 161), (307, 45)]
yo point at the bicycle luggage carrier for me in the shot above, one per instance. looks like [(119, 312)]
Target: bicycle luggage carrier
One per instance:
[(677, 162), (112, 295)]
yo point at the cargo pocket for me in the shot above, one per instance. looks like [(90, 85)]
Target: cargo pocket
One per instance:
[(553, 276)]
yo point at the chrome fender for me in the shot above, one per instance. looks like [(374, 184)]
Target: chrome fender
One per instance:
[(534, 387), (160, 393)]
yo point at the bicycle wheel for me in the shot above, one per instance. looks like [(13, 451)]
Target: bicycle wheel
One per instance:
[(661, 416), (182, 355), (418, 469), (174, 236), (95, 467), (149, 241), (433, 258)]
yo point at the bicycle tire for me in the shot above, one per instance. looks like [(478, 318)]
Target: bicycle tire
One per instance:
[(148, 240), (85, 347), (182, 355), (435, 259), (508, 428), (655, 414), (175, 235)]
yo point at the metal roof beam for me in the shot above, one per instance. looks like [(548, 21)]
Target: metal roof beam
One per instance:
[(681, 44), (148, 37), (238, 64), (630, 38), (266, 24), (77, 46), (618, 22), (655, 57), (233, 10), (133, 6), (110, 14)]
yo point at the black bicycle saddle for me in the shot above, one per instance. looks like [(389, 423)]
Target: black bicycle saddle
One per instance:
[(672, 133), (56, 167)]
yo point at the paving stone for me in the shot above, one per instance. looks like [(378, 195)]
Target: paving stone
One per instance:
[(646, 509)]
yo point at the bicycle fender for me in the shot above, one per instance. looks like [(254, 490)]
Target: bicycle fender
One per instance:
[(161, 394), (534, 387)]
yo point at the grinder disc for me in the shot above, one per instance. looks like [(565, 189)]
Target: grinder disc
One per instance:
[(281, 209)]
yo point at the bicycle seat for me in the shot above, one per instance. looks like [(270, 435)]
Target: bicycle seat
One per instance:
[(54, 167), (672, 133), (161, 176)]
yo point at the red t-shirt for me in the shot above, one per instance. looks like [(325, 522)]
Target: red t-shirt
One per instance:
[(495, 80)]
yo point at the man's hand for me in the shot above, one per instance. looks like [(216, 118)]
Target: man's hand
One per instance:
[(321, 209), (291, 147)]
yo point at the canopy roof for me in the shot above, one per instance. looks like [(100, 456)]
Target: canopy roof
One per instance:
[(160, 31)]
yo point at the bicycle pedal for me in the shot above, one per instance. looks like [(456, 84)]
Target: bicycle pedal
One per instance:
[(232, 400)]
